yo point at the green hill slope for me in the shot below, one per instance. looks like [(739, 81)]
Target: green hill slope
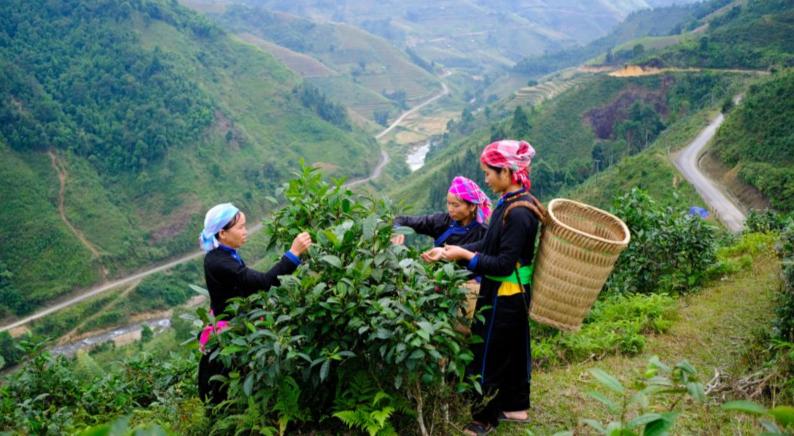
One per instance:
[(755, 34), (604, 118), (474, 35), (757, 138), (151, 114), (366, 68)]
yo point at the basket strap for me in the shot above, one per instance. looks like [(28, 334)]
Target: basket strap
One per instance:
[(535, 206)]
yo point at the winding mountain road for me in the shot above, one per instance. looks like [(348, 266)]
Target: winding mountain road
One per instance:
[(376, 173), (687, 163)]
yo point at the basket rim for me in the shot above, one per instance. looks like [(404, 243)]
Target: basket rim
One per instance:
[(623, 225)]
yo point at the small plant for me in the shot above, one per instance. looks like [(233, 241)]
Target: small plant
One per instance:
[(647, 407), (782, 417)]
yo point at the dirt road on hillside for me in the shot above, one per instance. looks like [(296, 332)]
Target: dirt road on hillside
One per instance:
[(688, 163), (376, 173)]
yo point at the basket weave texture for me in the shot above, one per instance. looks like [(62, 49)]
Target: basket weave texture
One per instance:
[(579, 245)]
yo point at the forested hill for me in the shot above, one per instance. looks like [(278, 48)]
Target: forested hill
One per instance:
[(121, 122), (758, 139), (647, 22), (755, 34)]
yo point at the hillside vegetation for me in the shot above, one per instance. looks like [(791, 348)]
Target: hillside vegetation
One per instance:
[(758, 139), (478, 36), (151, 114), (368, 74), (604, 118), (756, 34)]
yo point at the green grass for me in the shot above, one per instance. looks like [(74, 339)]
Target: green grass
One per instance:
[(718, 329)]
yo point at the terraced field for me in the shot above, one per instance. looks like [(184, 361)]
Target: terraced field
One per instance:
[(302, 64), (534, 95)]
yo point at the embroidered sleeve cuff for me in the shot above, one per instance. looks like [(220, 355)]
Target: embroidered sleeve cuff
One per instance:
[(473, 262), (295, 259)]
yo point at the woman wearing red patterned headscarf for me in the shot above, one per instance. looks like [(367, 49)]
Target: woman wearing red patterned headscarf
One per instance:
[(504, 259)]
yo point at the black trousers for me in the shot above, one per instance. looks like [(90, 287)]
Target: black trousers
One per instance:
[(211, 391), (503, 360)]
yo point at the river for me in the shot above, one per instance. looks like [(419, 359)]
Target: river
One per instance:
[(416, 159)]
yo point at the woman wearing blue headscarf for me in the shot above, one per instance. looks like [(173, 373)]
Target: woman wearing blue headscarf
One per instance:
[(227, 277)]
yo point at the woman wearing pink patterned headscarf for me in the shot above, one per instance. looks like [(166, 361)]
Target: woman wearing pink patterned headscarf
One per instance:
[(468, 210)]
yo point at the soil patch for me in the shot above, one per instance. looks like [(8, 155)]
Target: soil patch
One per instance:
[(747, 195)]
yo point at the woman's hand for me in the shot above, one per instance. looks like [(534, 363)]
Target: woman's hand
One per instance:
[(398, 240), (453, 252), (301, 243), (433, 255)]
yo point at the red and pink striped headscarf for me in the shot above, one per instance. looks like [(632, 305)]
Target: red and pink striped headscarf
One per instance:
[(469, 191), (515, 155)]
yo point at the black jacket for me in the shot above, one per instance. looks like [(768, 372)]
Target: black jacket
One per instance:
[(227, 278), (504, 246), (437, 224)]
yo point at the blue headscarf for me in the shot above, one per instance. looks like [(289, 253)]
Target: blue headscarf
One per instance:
[(216, 219)]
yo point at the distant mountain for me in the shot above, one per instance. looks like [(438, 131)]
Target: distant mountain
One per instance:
[(121, 122), (362, 71), (478, 35), (639, 24)]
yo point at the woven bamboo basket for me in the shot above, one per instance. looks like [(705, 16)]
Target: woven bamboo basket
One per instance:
[(578, 249)]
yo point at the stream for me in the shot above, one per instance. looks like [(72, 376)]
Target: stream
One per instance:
[(416, 159)]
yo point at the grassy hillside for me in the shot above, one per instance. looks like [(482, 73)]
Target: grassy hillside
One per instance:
[(167, 116), (363, 70), (756, 34), (657, 22), (604, 118), (474, 35), (758, 139)]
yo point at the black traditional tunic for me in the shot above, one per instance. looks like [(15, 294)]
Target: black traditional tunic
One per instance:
[(502, 360), (227, 277), (443, 229)]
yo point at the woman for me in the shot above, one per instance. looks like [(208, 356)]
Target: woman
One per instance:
[(502, 360), (227, 277), (468, 208)]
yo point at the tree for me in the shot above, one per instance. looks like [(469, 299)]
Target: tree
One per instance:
[(8, 349), (146, 333), (521, 124), (381, 117), (609, 58), (639, 50)]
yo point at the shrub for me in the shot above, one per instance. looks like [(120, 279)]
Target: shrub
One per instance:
[(360, 311), (669, 251)]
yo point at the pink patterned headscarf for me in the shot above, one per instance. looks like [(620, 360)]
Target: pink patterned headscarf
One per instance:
[(469, 191), (515, 155)]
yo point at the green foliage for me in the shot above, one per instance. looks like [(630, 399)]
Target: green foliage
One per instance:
[(357, 302), (361, 405), (784, 324), (317, 101), (646, 22), (757, 137), (756, 35), (765, 221), (45, 396), (647, 407), (616, 325), (782, 417), (123, 111), (668, 252)]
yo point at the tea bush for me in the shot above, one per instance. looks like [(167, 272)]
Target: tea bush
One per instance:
[(362, 335), (669, 251)]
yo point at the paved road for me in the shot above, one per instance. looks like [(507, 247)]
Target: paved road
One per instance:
[(376, 172), (444, 92), (688, 163)]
